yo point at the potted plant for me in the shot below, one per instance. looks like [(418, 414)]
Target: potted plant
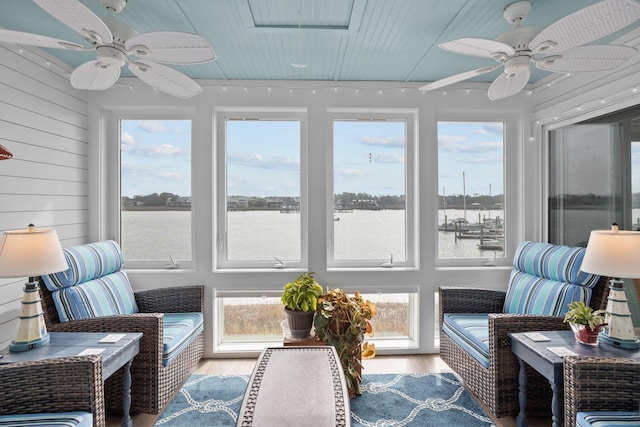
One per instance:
[(342, 321), (300, 299), (585, 322)]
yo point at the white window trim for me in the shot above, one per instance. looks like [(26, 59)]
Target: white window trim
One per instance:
[(112, 119), (513, 186), (219, 238), (384, 345), (410, 117)]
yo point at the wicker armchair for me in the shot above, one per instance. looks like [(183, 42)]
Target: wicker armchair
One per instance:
[(497, 385), (600, 384), (152, 383), (65, 384)]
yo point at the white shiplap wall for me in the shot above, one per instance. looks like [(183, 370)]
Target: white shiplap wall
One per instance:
[(43, 122)]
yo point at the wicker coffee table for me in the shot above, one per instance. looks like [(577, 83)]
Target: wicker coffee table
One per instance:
[(296, 386)]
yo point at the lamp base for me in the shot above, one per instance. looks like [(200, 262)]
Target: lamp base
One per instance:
[(16, 346), (617, 342)]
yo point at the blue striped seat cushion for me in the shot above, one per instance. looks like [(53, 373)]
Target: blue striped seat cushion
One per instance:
[(471, 332), (546, 278), (607, 419), (62, 419), (178, 332), (109, 295)]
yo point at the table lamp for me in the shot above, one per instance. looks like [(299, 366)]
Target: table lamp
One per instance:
[(28, 253), (615, 253)]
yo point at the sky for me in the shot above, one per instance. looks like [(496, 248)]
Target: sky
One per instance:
[(470, 158), (155, 157), (263, 157)]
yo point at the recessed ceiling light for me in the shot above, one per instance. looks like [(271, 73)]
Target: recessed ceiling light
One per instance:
[(295, 65)]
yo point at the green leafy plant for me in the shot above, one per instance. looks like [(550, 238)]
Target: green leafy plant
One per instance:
[(302, 294), (342, 321), (582, 314)]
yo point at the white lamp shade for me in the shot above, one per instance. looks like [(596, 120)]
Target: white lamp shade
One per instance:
[(31, 252), (613, 253)]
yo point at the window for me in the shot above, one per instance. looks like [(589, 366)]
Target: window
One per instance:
[(470, 189), (249, 319), (246, 320), (594, 180), (155, 190), (260, 203), (594, 176), (371, 206)]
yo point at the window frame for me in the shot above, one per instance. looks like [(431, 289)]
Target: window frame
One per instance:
[(512, 169), (219, 197), (384, 345), (410, 118), (113, 225)]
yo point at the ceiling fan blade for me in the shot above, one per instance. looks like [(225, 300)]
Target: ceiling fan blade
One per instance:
[(508, 84), (28, 39), (171, 47), (586, 25), (79, 18), (483, 48), (94, 75), (165, 79), (587, 59), (458, 77)]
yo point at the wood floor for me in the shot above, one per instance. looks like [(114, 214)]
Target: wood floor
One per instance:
[(378, 365)]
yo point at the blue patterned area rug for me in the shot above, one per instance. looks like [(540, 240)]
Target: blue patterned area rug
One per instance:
[(387, 400)]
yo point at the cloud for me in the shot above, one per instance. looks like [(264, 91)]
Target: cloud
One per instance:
[(350, 172), (168, 174), (154, 126), (142, 172), (390, 158), (450, 139), (259, 161), (129, 168), (155, 151), (458, 144), (492, 128), (127, 139), (382, 141), (482, 160)]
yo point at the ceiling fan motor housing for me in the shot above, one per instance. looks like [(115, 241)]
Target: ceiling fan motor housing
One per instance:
[(108, 55), (516, 65)]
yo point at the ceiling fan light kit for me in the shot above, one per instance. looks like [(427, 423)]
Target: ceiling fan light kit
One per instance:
[(558, 48), (114, 42)]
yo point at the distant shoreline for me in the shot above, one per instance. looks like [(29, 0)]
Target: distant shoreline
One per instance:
[(179, 208), (155, 208)]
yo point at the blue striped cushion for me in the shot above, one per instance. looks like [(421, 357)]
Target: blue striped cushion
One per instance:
[(106, 296), (529, 294), (62, 419), (471, 332), (546, 278), (86, 262), (178, 332), (555, 262), (607, 419)]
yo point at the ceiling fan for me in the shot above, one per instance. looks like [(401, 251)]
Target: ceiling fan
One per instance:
[(114, 43), (557, 48)]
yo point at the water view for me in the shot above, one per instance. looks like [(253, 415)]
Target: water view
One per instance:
[(360, 234)]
